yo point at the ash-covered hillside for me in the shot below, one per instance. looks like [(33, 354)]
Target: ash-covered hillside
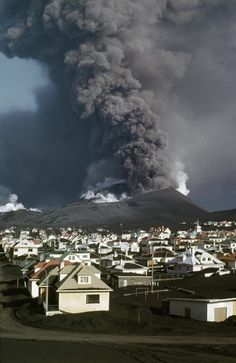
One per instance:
[(148, 209)]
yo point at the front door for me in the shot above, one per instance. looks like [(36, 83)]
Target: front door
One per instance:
[(220, 314)]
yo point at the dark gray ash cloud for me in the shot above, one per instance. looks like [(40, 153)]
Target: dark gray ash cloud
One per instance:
[(125, 70), (38, 150)]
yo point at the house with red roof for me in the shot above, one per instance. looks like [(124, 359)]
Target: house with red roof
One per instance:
[(229, 260)]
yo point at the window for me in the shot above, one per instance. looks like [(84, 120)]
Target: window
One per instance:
[(84, 279), (93, 299), (30, 249)]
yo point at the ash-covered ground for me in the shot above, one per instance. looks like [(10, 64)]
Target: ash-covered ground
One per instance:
[(132, 331)]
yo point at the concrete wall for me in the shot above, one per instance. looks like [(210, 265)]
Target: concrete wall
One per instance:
[(75, 302), (198, 310)]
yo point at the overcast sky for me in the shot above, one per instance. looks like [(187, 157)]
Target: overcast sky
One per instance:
[(194, 88)]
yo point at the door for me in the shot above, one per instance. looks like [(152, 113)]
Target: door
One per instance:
[(220, 314), (234, 307), (187, 312)]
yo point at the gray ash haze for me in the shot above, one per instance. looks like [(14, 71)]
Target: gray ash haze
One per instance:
[(139, 91)]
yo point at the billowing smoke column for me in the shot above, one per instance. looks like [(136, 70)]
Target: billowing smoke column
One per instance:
[(89, 45), (114, 65)]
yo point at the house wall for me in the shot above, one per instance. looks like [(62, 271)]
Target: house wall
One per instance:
[(230, 305), (75, 302), (198, 310), (18, 262), (204, 311), (231, 264), (122, 281), (33, 288), (185, 269), (134, 271), (25, 251)]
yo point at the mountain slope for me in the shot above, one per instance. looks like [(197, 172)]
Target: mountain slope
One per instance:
[(224, 215), (147, 209)]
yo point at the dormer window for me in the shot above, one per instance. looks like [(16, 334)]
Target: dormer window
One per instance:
[(71, 257), (84, 279)]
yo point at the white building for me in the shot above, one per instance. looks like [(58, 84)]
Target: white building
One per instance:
[(81, 290), (133, 268), (26, 247), (77, 257), (193, 260), (198, 228), (203, 309)]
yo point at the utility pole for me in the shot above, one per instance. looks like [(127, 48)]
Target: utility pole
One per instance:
[(152, 268), (47, 287), (121, 230)]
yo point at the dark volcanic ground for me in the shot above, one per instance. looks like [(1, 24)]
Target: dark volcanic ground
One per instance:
[(146, 210), (27, 336), (34, 351)]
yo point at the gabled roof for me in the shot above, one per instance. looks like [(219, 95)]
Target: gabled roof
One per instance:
[(37, 242), (133, 266), (40, 264), (29, 263), (231, 257), (51, 277), (65, 254), (44, 266), (70, 282), (66, 269), (163, 253)]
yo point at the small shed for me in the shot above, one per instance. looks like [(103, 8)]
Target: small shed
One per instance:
[(214, 310), (123, 280)]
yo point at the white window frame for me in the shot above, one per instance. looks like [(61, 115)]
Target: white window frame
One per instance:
[(84, 280), (93, 302)]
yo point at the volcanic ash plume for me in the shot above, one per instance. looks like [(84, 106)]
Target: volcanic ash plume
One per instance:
[(9, 201), (90, 46)]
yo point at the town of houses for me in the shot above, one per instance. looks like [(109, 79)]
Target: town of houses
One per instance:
[(70, 270)]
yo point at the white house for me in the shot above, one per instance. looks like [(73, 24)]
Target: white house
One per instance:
[(133, 268), (126, 236), (26, 247), (115, 258), (193, 260), (77, 257), (81, 290), (165, 234), (134, 246), (103, 249), (203, 309)]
